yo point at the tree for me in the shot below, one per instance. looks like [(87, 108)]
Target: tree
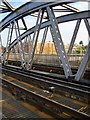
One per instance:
[(82, 46), (81, 42)]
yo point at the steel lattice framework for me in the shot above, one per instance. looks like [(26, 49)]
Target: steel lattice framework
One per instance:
[(11, 21)]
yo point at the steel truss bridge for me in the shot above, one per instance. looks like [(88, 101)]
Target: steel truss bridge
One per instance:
[(46, 19)]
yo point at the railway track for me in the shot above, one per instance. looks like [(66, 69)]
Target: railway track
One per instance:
[(52, 69), (17, 109), (55, 108), (59, 70), (69, 89), (78, 92), (48, 77)]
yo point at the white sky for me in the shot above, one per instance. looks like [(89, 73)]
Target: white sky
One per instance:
[(66, 29)]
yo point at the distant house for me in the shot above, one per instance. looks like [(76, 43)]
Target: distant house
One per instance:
[(49, 48)]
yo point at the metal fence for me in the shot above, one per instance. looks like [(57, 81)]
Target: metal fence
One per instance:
[(74, 59)]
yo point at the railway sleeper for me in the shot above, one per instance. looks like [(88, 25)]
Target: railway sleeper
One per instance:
[(45, 105), (68, 93), (42, 105), (73, 96), (62, 91)]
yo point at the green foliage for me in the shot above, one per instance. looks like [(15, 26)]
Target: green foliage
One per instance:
[(78, 51)]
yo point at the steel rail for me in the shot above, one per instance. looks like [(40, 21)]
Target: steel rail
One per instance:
[(31, 7), (49, 78), (56, 70), (46, 84), (45, 102)]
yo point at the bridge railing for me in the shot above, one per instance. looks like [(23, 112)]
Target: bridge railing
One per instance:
[(52, 59)]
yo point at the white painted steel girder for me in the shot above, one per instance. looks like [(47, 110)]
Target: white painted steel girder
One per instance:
[(59, 43), (53, 22)]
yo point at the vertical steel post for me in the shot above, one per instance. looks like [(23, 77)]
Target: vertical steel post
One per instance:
[(55, 44), (86, 58), (30, 43), (23, 21), (19, 44), (59, 43), (15, 52), (10, 41), (42, 43), (74, 37), (35, 38), (84, 62), (6, 55), (87, 25), (43, 40), (1, 47)]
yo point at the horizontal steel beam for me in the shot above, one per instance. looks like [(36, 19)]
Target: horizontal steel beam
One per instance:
[(3, 7), (8, 5), (4, 11), (62, 19), (29, 8)]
